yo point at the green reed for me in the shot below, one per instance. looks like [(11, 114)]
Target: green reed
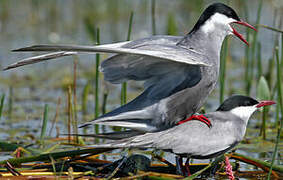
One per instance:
[(223, 59), (153, 25), (124, 85), (44, 124), (259, 65), (10, 102), (263, 93), (171, 25), (96, 95), (252, 60), (279, 88), (2, 105)]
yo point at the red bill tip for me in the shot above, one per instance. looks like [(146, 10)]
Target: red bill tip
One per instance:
[(265, 103), (240, 36), (245, 24)]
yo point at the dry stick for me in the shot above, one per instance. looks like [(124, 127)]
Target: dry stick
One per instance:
[(162, 160), (262, 164), (55, 119), (11, 169), (117, 168), (214, 163), (69, 113)]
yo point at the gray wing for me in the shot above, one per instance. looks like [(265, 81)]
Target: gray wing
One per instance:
[(162, 78), (192, 138), (169, 51)]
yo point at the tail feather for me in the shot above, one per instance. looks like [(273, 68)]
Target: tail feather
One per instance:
[(111, 135)]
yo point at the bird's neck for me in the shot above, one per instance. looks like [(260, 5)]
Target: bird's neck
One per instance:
[(204, 40)]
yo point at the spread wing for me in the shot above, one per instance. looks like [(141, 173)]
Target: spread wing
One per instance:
[(169, 51)]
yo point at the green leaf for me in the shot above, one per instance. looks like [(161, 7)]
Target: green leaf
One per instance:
[(263, 92)]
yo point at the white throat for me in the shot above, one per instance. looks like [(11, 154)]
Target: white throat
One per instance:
[(244, 112), (218, 23)]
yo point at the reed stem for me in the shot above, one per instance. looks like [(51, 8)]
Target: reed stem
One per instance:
[(279, 75), (153, 25), (75, 122), (124, 84), (223, 59), (97, 81), (97, 76), (2, 105)]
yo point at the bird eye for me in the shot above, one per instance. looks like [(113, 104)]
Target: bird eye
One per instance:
[(247, 103)]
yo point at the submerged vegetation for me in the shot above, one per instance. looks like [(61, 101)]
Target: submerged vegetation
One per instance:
[(40, 104)]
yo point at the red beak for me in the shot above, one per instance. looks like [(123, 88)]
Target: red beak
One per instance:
[(240, 36), (264, 103)]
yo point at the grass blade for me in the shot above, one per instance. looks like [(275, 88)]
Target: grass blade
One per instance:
[(10, 102), (2, 105), (44, 123)]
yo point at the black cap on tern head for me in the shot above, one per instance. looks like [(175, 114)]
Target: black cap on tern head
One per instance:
[(236, 101), (211, 10)]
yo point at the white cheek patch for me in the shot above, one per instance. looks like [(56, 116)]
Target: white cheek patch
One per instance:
[(217, 20), (244, 112)]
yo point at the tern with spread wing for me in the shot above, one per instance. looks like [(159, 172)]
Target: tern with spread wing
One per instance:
[(179, 72)]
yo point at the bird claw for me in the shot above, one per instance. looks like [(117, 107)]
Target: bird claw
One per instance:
[(201, 118)]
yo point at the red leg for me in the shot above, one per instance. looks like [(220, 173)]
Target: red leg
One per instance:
[(187, 166), (201, 118)]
